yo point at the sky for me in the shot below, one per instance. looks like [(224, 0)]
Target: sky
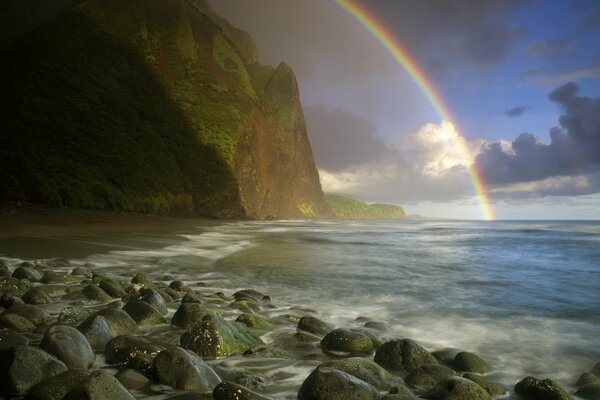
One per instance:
[(521, 79)]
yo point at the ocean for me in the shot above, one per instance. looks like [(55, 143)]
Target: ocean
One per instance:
[(524, 295)]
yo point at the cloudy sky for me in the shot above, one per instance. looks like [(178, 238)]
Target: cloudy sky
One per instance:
[(521, 78)]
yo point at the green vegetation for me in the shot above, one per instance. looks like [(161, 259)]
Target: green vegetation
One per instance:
[(347, 208)]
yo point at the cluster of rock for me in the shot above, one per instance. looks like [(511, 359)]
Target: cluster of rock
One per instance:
[(65, 331)]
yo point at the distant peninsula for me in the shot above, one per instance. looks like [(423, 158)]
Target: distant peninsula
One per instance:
[(347, 208)]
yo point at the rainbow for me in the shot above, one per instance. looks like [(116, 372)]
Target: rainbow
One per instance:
[(412, 68)]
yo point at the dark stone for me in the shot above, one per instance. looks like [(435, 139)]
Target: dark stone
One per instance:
[(253, 321), (181, 369), (589, 392), (492, 388), (457, 388), (10, 339), (264, 351), (445, 356), (192, 396), (366, 370), (104, 325), (4, 271), (314, 326), (73, 315), (99, 386), (155, 299), (427, 376), (179, 286), (403, 355), (22, 367), (377, 325), (132, 379), (7, 301), (141, 279), (189, 314), (16, 323), (245, 305), (112, 288), (249, 380), (131, 351), (93, 292), (215, 337), (469, 362), (143, 313), (36, 295), (346, 342), (57, 387), (587, 378), (29, 273), (82, 271), (232, 391), (331, 384), (54, 277), (541, 389), (35, 314), (191, 297), (165, 295), (57, 263), (68, 345), (249, 294)]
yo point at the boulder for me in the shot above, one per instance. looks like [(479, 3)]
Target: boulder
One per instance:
[(589, 392), (57, 387), (427, 376), (155, 299), (16, 323), (94, 292), (132, 379), (68, 345), (55, 277), (10, 339), (143, 313), (541, 389), (7, 300), (27, 272), (232, 391), (189, 314), (182, 369), (314, 326), (99, 386), (105, 325), (36, 295), (457, 388), (469, 362), (132, 351), (215, 337), (402, 355), (191, 297), (445, 356), (492, 388), (73, 315), (112, 288), (366, 370), (587, 378), (35, 314), (331, 384), (347, 342), (253, 321)]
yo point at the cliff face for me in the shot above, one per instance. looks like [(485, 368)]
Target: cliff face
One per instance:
[(157, 106)]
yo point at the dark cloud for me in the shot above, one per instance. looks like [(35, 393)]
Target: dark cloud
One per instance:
[(341, 139), (516, 111), (552, 49), (574, 147)]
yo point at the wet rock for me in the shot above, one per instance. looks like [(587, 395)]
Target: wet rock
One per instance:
[(445, 356), (73, 315), (132, 379), (189, 314), (29, 273), (141, 279), (179, 286), (4, 271), (7, 301), (245, 305), (331, 384), (16, 323), (399, 393), (58, 386), (232, 391), (35, 314), (492, 388), (181, 369), (403, 355), (589, 392), (346, 342), (68, 345), (596, 369), (249, 294), (469, 362), (252, 381), (366, 370), (314, 326), (133, 351), (377, 326), (541, 389), (94, 292), (166, 296), (57, 263), (192, 396), (215, 337), (427, 376), (23, 366), (54, 277), (456, 388), (268, 352), (155, 299), (191, 297), (10, 339), (82, 271), (112, 288), (253, 321), (106, 324), (587, 378), (99, 386), (36, 295), (143, 313)]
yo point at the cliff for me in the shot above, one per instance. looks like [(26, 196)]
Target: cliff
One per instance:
[(348, 208), (153, 106)]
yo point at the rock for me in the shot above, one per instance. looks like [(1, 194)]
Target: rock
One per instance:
[(82, 271), (445, 356), (179, 286), (191, 297), (314, 326), (29, 273), (181, 369), (541, 389), (377, 325), (245, 305), (7, 301), (192, 396), (587, 378), (596, 369), (268, 352), (366, 370), (22, 367), (10, 339), (253, 321), (106, 324), (232, 391), (456, 388), (56, 277), (68, 345), (331, 384), (402, 355), (99, 386), (36, 296), (469, 362), (589, 392), (4, 271), (143, 313), (427, 376), (73, 315), (35, 314), (93, 292), (132, 351), (155, 299), (56, 263), (189, 314), (112, 288), (58, 386), (16, 323), (249, 294), (132, 379), (215, 337), (249, 380), (346, 342), (399, 393), (492, 388), (141, 279), (14, 287)]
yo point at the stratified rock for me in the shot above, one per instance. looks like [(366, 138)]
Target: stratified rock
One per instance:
[(57, 387), (36, 296), (541, 389), (29, 273), (403, 355), (456, 388), (143, 313), (10, 339), (35, 314), (589, 392), (189, 314), (427, 376), (215, 337), (112, 288), (331, 384), (492, 388), (133, 351), (99, 386), (181, 369), (253, 321), (232, 391), (314, 326), (68, 345), (22, 367), (366, 370), (347, 342), (469, 362)]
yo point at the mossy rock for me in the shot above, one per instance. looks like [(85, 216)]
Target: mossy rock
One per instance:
[(541, 389), (457, 388), (427, 376), (366, 370), (589, 392), (347, 342), (403, 355), (331, 384), (492, 388), (469, 362), (253, 321)]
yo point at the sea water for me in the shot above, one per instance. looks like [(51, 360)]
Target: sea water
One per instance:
[(525, 296)]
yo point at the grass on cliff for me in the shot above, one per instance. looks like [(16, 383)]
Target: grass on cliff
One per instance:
[(348, 208)]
